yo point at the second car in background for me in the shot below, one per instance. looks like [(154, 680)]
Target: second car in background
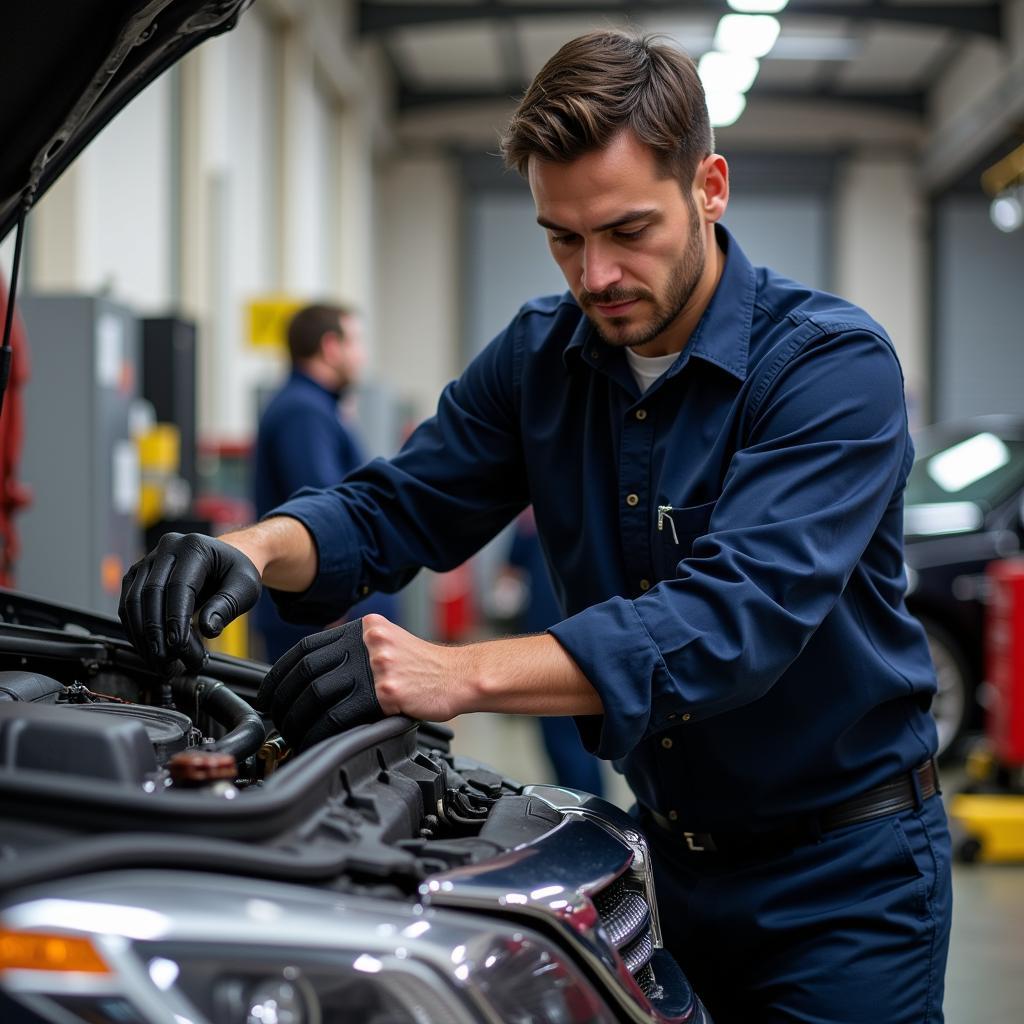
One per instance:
[(964, 509)]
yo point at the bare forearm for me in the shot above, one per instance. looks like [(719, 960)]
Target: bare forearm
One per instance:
[(282, 549), (530, 675)]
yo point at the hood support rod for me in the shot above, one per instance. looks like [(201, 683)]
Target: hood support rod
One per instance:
[(5, 351)]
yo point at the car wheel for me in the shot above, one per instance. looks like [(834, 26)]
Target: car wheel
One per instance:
[(949, 708)]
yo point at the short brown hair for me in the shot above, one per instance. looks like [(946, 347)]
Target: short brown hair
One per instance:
[(310, 324), (606, 81)]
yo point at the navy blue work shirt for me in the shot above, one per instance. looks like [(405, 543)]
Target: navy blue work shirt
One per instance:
[(727, 546), (302, 442)]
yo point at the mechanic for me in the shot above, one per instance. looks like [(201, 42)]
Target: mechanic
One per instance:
[(303, 441), (716, 458)]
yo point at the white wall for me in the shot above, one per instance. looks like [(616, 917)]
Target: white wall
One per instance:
[(881, 258), (105, 226), (417, 276), (277, 121), (7, 256), (231, 210)]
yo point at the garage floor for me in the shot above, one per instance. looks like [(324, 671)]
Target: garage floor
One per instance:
[(985, 977)]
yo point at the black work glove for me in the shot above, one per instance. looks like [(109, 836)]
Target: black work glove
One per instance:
[(321, 686), (183, 574)]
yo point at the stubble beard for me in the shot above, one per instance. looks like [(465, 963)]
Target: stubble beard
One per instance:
[(682, 283)]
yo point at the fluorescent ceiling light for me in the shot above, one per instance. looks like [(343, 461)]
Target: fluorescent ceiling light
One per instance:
[(758, 6), (727, 72), (724, 108), (751, 35), (968, 462), (941, 517)]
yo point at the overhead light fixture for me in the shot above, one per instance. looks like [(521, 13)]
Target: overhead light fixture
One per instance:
[(727, 72), (724, 108), (1004, 181), (1007, 212), (1004, 173), (758, 6), (751, 35)]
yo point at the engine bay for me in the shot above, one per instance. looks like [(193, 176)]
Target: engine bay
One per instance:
[(103, 763)]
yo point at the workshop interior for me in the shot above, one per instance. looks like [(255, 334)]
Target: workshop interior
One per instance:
[(195, 173)]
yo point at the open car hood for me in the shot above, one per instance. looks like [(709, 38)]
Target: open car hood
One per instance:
[(68, 68)]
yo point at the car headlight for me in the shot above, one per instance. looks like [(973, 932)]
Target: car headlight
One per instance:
[(196, 951), (516, 977)]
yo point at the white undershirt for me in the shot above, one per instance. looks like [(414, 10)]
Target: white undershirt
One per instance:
[(647, 369)]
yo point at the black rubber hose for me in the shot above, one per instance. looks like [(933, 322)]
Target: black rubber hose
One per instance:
[(246, 731)]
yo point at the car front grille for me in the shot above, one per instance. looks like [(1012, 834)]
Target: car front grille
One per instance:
[(626, 918)]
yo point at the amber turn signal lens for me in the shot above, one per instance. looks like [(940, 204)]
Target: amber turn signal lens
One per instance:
[(33, 951)]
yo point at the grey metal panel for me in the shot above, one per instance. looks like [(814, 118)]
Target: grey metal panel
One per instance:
[(789, 233), (78, 452), (507, 262), (979, 343)]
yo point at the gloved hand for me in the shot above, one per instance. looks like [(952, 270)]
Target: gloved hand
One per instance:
[(322, 686), (183, 574)]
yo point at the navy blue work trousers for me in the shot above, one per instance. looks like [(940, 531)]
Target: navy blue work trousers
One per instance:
[(851, 929)]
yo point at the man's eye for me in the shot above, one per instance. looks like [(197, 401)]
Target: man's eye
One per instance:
[(630, 236), (563, 239)]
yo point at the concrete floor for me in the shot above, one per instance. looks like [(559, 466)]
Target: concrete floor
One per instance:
[(985, 976)]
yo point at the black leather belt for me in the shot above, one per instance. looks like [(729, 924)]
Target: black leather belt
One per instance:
[(901, 794)]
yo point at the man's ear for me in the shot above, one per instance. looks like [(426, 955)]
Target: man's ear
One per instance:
[(711, 187), (330, 341)]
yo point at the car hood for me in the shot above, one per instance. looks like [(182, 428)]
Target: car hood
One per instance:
[(70, 67)]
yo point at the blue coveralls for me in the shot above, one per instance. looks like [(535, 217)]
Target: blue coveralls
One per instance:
[(302, 442), (728, 550)]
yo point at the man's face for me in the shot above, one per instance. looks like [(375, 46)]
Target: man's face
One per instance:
[(628, 239), (346, 351)]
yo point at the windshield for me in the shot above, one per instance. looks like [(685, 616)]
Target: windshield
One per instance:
[(981, 468)]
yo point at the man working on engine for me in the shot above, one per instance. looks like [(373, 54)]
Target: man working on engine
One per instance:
[(716, 458)]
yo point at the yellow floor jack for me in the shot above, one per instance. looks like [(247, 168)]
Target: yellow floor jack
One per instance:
[(987, 816)]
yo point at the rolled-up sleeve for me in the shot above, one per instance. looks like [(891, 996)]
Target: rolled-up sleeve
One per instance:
[(456, 482), (825, 444)]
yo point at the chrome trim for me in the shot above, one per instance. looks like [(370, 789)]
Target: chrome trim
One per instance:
[(620, 824), (554, 878)]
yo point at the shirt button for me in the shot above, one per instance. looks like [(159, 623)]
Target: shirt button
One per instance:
[(632, 500), (645, 584), (364, 590), (594, 353), (666, 743), (673, 815), (641, 414)]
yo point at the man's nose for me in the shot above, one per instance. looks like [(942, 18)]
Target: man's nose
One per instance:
[(600, 269)]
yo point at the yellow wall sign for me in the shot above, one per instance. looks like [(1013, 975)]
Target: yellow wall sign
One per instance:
[(267, 320)]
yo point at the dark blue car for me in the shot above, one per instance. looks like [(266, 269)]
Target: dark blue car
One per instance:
[(964, 509)]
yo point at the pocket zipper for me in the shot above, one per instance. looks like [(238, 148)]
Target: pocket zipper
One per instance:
[(663, 514)]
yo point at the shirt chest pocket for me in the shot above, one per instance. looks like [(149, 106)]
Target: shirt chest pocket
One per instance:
[(676, 530)]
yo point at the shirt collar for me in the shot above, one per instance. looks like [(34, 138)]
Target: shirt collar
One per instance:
[(722, 336), (304, 378)]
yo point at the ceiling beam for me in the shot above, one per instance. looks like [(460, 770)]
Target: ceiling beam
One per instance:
[(906, 102), (980, 19)]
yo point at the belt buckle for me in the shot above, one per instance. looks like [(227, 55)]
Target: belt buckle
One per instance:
[(692, 844)]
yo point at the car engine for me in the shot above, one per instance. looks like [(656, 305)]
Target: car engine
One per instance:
[(163, 856)]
